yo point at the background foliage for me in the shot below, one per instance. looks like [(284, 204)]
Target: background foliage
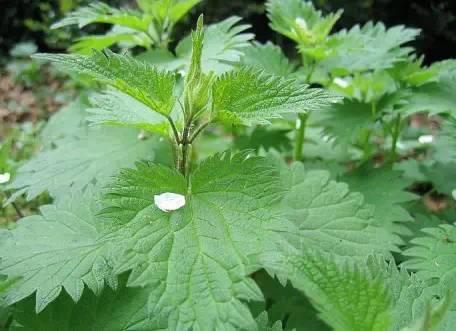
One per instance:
[(437, 18)]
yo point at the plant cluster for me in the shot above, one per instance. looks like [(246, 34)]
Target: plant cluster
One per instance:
[(223, 186)]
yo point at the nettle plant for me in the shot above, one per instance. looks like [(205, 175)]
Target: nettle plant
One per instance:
[(149, 26), (147, 233)]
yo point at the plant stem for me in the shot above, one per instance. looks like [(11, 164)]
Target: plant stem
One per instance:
[(185, 142), (16, 208), (198, 131), (374, 108), (301, 122), (173, 127), (395, 133), (300, 134)]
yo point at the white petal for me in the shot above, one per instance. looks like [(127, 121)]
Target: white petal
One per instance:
[(427, 139), (169, 201), (341, 82), (5, 178)]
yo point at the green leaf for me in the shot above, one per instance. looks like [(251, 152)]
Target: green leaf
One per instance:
[(120, 310), (145, 83), (348, 298), (300, 21), (365, 87), (360, 295), (223, 46), (434, 255), (86, 45), (445, 143), (433, 317), (224, 226), (413, 73), (197, 92), (75, 163), (99, 12), (265, 138), (435, 97), (263, 324), (173, 10), (230, 212), (248, 96), (57, 249), (384, 189), (288, 305), (268, 57), (345, 122), (371, 46), (68, 123), (330, 217), (118, 109)]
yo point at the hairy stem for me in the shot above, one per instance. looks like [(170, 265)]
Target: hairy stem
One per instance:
[(173, 127), (395, 134), (198, 131), (300, 134), (185, 142)]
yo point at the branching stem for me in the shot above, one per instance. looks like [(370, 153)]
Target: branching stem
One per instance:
[(198, 131), (173, 127)]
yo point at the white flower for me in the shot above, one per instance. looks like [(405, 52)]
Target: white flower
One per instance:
[(5, 178), (169, 201), (427, 139), (453, 193)]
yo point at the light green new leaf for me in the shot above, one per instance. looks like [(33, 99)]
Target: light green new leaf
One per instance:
[(124, 309), (225, 225), (369, 47), (173, 10), (268, 57), (118, 109), (86, 45), (94, 157), (99, 12), (145, 83), (223, 46), (300, 21), (57, 249), (365, 87), (434, 256), (384, 189), (249, 96)]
